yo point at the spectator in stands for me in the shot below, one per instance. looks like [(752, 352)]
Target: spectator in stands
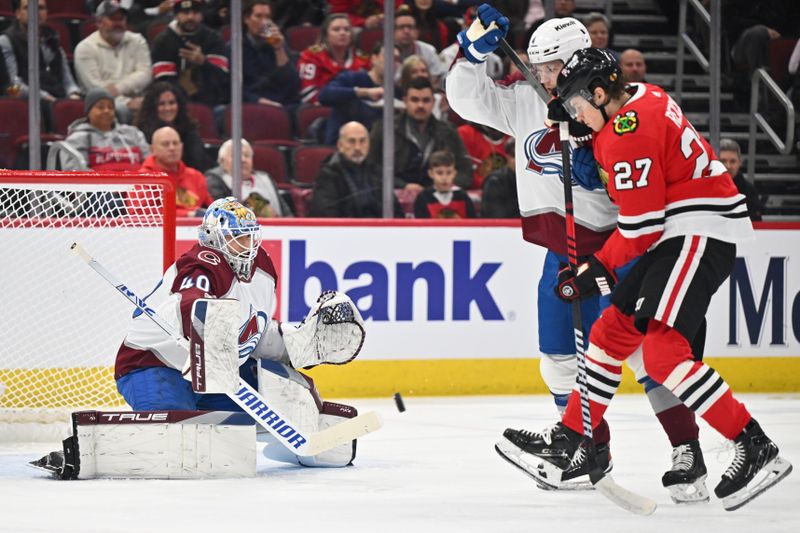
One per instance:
[(191, 55), (443, 199), (191, 192), (561, 9), (55, 77), (486, 149), (367, 14), (141, 13), (290, 13), (320, 63), (417, 135), (269, 78), (355, 96), (114, 59), (164, 104), (407, 42), (430, 28), (414, 66), (499, 196), (730, 154), (259, 191), (104, 143), (633, 65), (349, 184), (599, 28)]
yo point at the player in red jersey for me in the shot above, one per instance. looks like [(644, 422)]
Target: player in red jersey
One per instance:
[(320, 63), (680, 212)]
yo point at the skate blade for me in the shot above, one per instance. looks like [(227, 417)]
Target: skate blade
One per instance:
[(774, 471), (514, 456), (690, 493)]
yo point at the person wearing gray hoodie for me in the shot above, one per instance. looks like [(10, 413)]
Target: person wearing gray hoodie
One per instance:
[(104, 143)]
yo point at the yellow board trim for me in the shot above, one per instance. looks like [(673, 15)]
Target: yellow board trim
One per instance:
[(441, 377), (81, 387)]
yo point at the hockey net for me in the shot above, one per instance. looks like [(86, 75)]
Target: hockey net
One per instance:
[(60, 324)]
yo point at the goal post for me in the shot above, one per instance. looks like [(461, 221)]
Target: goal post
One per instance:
[(60, 327)]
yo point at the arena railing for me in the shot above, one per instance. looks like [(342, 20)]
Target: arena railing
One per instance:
[(760, 76)]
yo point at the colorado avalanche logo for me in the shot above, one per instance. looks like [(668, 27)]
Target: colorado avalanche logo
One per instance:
[(543, 150), (251, 331)]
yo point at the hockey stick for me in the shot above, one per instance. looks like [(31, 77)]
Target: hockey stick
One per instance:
[(246, 397), (620, 496)]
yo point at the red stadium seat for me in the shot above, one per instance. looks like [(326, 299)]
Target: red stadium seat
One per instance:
[(270, 159), (65, 112), (13, 128), (368, 38), (206, 126), (306, 162), (301, 37), (87, 28), (306, 115), (64, 37), (153, 30), (67, 7), (780, 51), (262, 123)]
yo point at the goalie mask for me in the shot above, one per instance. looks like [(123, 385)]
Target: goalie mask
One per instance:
[(231, 228)]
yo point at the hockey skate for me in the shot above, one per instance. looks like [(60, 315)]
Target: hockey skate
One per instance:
[(686, 481), (755, 468), (555, 457)]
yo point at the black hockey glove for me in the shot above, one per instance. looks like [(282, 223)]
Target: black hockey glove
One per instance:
[(592, 277), (577, 130)]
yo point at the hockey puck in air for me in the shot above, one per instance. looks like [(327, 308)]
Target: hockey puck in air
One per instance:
[(398, 400)]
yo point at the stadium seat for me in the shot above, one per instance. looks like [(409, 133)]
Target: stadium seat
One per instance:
[(368, 38), (75, 8), (271, 159), (301, 37), (64, 36), (13, 128), (262, 123), (206, 125), (306, 161), (87, 28), (65, 112), (306, 115), (780, 50), (153, 30)]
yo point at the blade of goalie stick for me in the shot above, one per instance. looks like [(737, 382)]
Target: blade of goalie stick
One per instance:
[(344, 432), (303, 444)]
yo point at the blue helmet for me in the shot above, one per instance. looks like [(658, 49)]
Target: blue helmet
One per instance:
[(232, 228)]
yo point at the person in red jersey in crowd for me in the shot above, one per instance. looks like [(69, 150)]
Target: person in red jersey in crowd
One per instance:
[(320, 63), (191, 191)]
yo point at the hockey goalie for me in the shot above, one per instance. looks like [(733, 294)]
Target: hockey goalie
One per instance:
[(185, 424)]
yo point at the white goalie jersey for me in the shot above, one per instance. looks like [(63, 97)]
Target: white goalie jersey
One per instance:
[(516, 110)]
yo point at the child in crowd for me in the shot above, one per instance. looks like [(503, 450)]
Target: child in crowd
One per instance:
[(443, 199)]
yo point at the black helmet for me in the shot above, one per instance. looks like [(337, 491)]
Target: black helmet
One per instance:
[(584, 71)]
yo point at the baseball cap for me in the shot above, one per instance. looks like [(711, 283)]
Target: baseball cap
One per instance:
[(188, 5), (108, 8)]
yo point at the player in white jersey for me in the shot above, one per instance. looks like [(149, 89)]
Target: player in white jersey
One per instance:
[(228, 262), (517, 111)]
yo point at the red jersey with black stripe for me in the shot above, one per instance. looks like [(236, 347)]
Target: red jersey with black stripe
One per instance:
[(199, 273), (664, 177), (317, 68)]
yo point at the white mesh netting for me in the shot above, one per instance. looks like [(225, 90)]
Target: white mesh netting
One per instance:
[(60, 323)]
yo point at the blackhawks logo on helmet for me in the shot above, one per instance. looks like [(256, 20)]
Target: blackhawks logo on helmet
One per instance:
[(626, 123)]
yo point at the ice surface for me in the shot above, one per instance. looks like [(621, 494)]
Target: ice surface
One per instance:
[(430, 469)]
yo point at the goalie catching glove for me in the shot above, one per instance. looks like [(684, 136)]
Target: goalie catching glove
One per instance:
[(332, 333), (592, 277), (484, 34)]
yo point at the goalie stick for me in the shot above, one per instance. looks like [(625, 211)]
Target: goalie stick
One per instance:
[(246, 397), (604, 483)]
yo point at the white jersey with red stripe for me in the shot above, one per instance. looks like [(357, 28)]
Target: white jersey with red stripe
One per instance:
[(516, 110), (201, 272), (664, 177)]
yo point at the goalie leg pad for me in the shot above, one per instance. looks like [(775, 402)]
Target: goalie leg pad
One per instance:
[(294, 394), (332, 333), (158, 445), (213, 362)]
